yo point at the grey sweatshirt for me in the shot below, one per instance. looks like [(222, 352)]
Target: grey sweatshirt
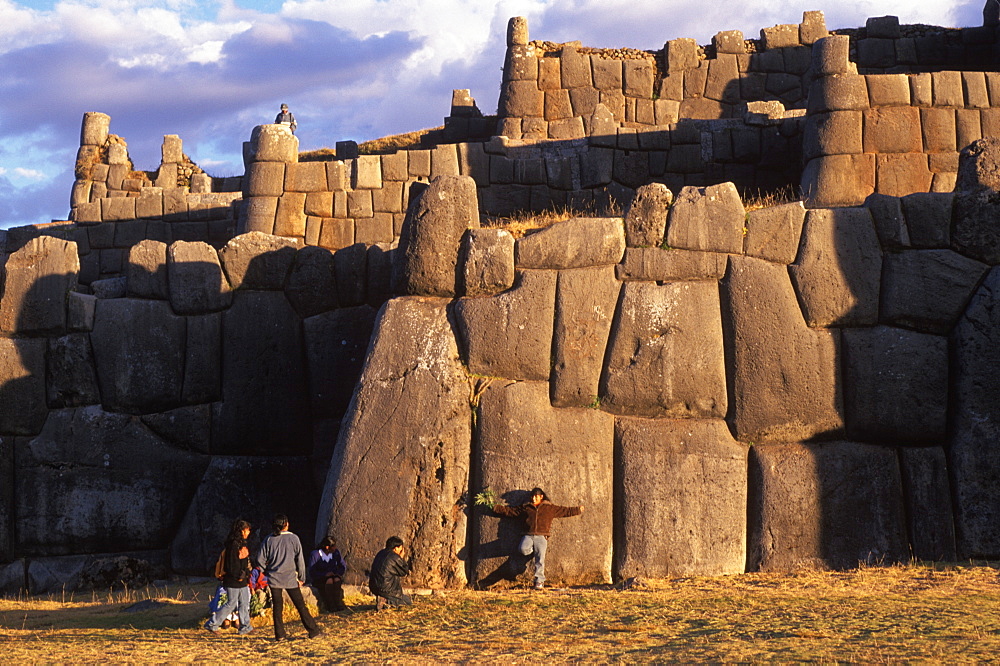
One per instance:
[(281, 557)]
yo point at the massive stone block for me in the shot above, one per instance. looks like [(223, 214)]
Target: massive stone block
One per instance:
[(773, 355), (487, 262), (928, 498), (279, 485), (22, 386), (927, 289), (576, 243), (39, 276), (336, 343), (203, 360), (312, 283), (147, 270), (646, 219), (258, 261), (975, 423), (666, 355), (197, 283), (681, 492), (524, 442), (585, 307), (773, 233), (510, 334), (824, 506), (709, 218), (93, 481), (838, 268), (401, 466), (139, 350), (429, 242), (890, 225), (266, 400), (70, 377), (658, 265), (896, 385), (838, 180)]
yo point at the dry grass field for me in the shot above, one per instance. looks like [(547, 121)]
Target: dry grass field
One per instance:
[(872, 615)]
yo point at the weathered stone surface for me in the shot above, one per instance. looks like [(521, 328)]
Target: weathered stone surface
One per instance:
[(928, 498), (521, 99), (682, 486), (39, 276), (646, 219), (585, 306), (927, 289), (979, 166), (265, 179), (838, 269), (139, 349), (312, 283), (977, 200), (830, 55), (975, 422), (773, 233), (188, 428), (280, 485), (429, 242), (576, 243), (114, 287), (774, 356), (709, 218), (94, 129), (838, 180), (202, 364), (256, 260), (98, 571), (832, 133), (336, 343), (665, 356), (70, 378), (350, 267), (486, 262), (824, 506), (273, 143), (524, 442), (266, 406), (197, 283), (510, 334), (147, 270), (80, 310), (838, 92), (890, 225), (895, 385), (91, 480), (902, 174), (22, 386), (9, 581), (401, 465)]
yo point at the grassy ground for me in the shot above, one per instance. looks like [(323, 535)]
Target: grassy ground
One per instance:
[(912, 613)]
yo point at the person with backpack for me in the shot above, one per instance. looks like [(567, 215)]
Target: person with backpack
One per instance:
[(280, 555), (235, 573)]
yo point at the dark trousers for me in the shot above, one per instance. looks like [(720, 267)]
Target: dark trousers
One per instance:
[(278, 607), (332, 591)]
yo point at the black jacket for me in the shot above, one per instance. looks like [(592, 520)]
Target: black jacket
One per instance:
[(237, 568), (387, 569)]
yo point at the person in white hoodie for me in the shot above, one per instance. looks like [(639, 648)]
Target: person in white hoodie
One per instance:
[(280, 555)]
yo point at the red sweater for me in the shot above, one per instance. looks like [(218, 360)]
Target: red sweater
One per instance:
[(538, 519)]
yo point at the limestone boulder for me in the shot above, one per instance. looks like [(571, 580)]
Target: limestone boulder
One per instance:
[(430, 240), (22, 386), (91, 481), (975, 422), (336, 345), (264, 380), (524, 442), (784, 380), (146, 274), (838, 180), (510, 334), (709, 218), (665, 356), (974, 231), (653, 264), (773, 233), (928, 496), (139, 350), (487, 262), (576, 243), (890, 225), (273, 143), (585, 306), (37, 281), (312, 283), (70, 376), (895, 385), (838, 268), (819, 506), (197, 283), (401, 465), (682, 488), (646, 219), (257, 260), (927, 289), (979, 166), (928, 218), (278, 484)]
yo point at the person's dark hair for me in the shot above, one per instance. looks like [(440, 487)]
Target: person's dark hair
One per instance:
[(327, 541), (538, 491), (279, 522), (236, 531), (392, 542)]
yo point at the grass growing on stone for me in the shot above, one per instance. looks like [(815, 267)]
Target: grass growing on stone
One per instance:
[(901, 613)]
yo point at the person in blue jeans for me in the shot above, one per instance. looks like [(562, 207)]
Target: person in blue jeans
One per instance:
[(538, 515), (235, 579)]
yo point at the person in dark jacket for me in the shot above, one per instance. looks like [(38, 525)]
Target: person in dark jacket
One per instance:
[(285, 117), (235, 580), (326, 571), (538, 515), (284, 565), (388, 568)]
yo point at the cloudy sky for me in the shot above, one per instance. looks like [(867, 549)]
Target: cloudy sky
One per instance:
[(210, 71)]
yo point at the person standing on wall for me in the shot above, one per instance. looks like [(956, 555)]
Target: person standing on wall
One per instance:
[(284, 565), (235, 579), (285, 117), (538, 515), (388, 568)]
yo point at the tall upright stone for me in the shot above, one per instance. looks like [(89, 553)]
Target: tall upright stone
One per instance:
[(39, 278)]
